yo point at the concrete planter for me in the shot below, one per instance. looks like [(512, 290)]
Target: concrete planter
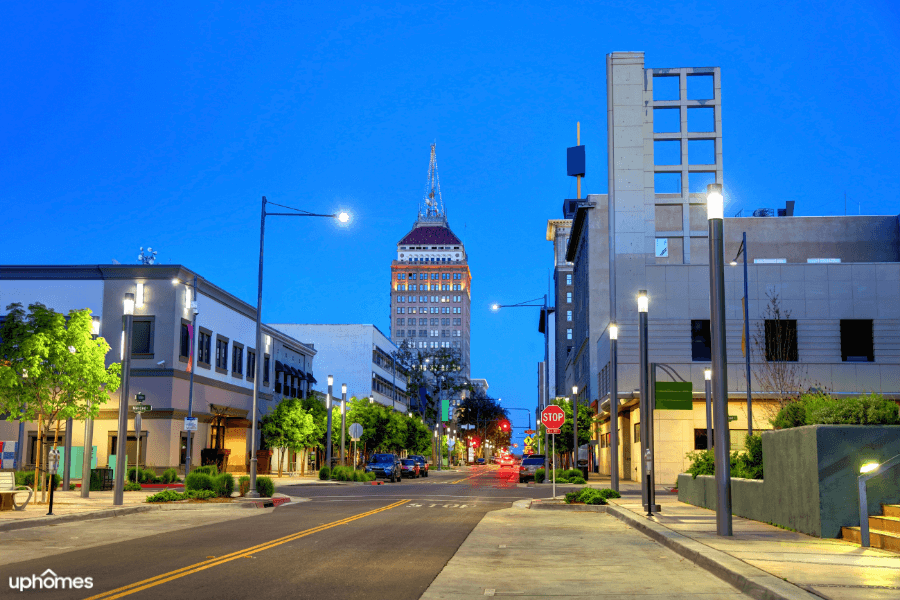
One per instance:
[(810, 478)]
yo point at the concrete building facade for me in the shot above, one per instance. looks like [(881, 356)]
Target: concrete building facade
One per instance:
[(223, 359), (360, 356), (562, 291)]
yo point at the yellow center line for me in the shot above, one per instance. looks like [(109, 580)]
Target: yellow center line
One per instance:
[(465, 478), (166, 577)]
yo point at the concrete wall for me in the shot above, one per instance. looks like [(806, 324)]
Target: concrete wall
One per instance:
[(810, 478)]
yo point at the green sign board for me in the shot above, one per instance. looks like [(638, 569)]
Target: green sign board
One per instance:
[(140, 408), (732, 417), (445, 409), (674, 395)]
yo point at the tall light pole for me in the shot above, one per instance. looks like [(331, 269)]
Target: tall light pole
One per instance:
[(192, 363), (546, 311), (646, 409), (343, 421), (575, 426), (715, 207), (743, 250), (707, 376), (613, 406), (88, 453), (328, 425), (343, 217), (122, 439)]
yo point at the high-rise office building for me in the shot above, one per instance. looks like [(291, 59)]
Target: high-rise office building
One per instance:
[(431, 281)]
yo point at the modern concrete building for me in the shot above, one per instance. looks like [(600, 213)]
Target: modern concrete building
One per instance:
[(358, 355), (223, 361), (431, 284), (562, 290), (836, 280)]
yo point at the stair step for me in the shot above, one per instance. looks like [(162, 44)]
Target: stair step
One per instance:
[(883, 523), (890, 510), (884, 540)]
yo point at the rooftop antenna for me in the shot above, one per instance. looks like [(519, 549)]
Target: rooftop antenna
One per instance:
[(147, 258), (432, 208)]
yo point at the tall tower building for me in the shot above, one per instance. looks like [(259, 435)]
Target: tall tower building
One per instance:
[(431, 281)]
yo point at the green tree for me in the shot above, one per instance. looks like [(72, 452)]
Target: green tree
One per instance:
[(288, 427), (564, 441), (52, 370)]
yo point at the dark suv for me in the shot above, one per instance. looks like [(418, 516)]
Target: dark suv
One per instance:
[(386, 466), (529, 465), (423, 464)]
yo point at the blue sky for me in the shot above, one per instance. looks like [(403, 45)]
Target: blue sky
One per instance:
[(162, 124)]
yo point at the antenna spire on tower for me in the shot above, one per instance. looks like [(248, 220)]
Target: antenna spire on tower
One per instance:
[(432, 208)]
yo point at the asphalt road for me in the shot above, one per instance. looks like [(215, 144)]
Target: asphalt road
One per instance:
[(354, 541)]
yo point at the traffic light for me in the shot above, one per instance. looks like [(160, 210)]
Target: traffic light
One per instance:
[(504, 425)]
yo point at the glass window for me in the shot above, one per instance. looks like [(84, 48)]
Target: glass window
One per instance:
[(185, 346), (568, 334), (569, 297), (221, 353), (568, 315), (141, 337), (568, 279), (857, 342), (701, 341)]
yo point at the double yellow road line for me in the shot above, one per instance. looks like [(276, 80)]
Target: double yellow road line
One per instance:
[(214, 562)]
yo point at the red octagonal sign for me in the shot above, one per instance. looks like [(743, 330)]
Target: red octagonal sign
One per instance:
[(553, 417)]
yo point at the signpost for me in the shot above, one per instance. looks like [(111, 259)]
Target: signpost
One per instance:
[(356, 431), (190, 423), (552, 418)]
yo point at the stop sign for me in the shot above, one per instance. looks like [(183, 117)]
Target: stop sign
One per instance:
[(553, 417)]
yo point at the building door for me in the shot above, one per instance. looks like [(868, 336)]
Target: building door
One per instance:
[(625, 444)]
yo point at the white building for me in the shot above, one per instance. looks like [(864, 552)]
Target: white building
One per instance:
[(359, 355)]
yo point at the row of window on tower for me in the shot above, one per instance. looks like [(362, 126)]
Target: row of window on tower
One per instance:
[(429, 333), (442, 299), (414, 276), (453, 344), (456, 287), (412, 321), (434, 310)]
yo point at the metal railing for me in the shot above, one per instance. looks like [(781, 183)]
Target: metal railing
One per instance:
[(863, 502)]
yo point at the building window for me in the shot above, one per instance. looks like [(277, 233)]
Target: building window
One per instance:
[(781, 340), (457, 310), (434, 275), (457, 298), (400, 333), (445, 275), (700, 439), (401, 298), (569, 334), (266, 370), (701, 341), (251, 364), (401, 276), (204, 342), (445, 286), (184, 347), (568, 315), (857, 341), (445, 321), (423, 333), (142, 331), (569, 297), (412, 333), (412, 275), (457, 333), (221, 354), (400, 310), (568, 279), (457, 321), (401, 288), (401, 321), (457, 287), (237, 359), (434, 321)]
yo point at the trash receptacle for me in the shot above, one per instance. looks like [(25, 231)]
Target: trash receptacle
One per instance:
[(583, 467), (101, 480)]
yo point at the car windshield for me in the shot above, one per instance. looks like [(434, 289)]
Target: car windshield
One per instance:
[(533, 461), (408, 461), (382, 458)]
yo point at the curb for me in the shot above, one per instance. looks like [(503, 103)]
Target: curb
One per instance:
[(748, 579), (598, 508), (87, 516)]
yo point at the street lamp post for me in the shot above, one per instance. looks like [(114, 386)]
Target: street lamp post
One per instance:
[(715, 216), (645, 413), (343, 421), (88, 453), (546, 311), (613, 407), (707, 376), (328, 425), (122, 439), (575, 426), (192, 362), (343, 217), (743, 250)]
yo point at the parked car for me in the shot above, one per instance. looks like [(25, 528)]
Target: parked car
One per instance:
[(479, 461), (386, 466), (529, 466), (409, 467), (423, 464)]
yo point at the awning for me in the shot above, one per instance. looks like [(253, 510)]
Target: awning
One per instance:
[(301, 375), (292, 370), (310, 378), (278, 366)]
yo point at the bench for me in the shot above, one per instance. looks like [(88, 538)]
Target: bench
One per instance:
[(8, 491)]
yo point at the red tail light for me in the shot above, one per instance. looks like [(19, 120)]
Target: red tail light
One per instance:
[(521, 468)]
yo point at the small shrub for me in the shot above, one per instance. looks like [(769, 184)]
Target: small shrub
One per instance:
[(591, 496), (572, 473), (562, 480), (360, 476), (211, 470), (199, 481), (790, 415), (166, 496), (200, 494), (244, 485), (224, 484), (608, 493), (577, 481), (132, 486), (325, 473), (370, 476), (27, 478), (703, 462), (572, 497), (750, 464), (265, 487), (539, 476), (169, 476)]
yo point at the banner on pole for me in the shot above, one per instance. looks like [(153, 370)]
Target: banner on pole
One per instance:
[(674, 395)]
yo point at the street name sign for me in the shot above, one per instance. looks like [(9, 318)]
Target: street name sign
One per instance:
[(552, 418), (190, 423), (141, 408), (356, 431), (732, 417), (530, 431)]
